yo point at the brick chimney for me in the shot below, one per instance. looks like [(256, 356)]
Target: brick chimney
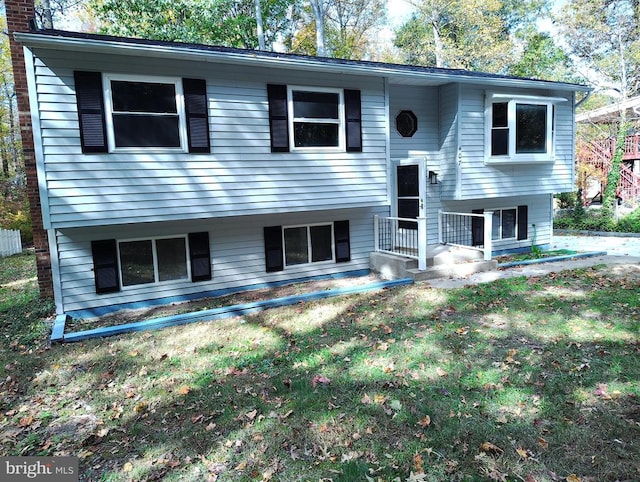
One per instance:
[(19, 15)]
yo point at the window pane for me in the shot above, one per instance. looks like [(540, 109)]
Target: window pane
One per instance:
[(508, 223), (321, 249), (172, 259), (407, 180), (531, 128), (315, 135), (143, 97), (499, 142), (315, 105), (296, 246), (136, 262), (146, 130), (495, 225), (500, 116)]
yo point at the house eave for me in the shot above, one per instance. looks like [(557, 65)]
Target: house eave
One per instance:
[(397, 74)]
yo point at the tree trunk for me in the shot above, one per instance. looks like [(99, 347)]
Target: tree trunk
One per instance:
[(260, 26), (318, 13), (47, 16), (437, 43)]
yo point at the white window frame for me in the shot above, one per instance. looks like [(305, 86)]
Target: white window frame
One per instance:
[(309, 245), (512, 157), (156, 273), (340, 122), (499, 230), (108, 103)]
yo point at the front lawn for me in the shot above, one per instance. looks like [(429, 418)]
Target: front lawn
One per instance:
[(532, 379)]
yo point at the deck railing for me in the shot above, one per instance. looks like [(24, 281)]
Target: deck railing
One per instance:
[(403, 236), (473, 231)]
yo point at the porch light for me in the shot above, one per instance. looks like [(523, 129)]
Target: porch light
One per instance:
[(433, 177)]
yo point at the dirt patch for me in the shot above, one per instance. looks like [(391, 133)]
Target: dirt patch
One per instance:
[(131, 316)]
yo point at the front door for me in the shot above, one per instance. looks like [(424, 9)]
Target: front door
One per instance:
[(410, 191)]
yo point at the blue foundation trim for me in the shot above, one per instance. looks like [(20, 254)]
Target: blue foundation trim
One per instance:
[(105, 310), (227, 311), (552, 259), (57, 333)]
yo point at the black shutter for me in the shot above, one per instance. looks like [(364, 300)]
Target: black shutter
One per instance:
[(195, 103), (343, 243), (523, 222), (105, 265), (353, 115), (274, 258), (278, 118), (477, 228), (90, 101), (200, 256)]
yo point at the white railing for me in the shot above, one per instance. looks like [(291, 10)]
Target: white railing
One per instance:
[(473, 231), (403, 236), (10, 242)]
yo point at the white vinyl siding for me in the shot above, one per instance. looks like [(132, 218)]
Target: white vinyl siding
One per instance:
[(240, 177), (237, 256)]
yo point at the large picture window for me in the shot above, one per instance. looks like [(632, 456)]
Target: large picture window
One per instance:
[(153, 260), (520, 129)]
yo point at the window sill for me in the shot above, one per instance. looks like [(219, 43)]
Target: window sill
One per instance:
[(519, 160)]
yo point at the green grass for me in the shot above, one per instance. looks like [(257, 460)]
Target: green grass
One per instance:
[(520, 379)]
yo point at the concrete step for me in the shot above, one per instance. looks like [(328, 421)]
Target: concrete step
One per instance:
[(443, 261)]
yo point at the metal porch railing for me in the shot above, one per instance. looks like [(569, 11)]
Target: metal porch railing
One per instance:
[(468, 230)]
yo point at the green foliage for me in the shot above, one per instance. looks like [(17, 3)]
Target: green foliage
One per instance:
[(597, 220), (543, 59), (217, 22)]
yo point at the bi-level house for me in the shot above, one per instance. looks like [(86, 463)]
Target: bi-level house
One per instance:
[(171, 171)]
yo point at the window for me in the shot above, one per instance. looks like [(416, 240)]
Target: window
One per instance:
[(153, 261), (308, 244), (504, 223), (296, 245), (520, 128), (145, 114), (126, 113), (304, 118), (316, 118), (148, 261)]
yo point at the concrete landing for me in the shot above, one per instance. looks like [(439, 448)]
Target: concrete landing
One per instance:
[(444, 261)]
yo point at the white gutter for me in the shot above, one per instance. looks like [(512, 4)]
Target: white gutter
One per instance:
[(285, 61)]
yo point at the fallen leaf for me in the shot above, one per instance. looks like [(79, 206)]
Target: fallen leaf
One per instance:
[(366, 399), (252, 414), (524, 453), (441, 373), (488, 447), (573, 478), (25, 421), (128, 467), (184, 389), (141, 407), (543, 443), (319, 379), (462, 331), (425, 422)]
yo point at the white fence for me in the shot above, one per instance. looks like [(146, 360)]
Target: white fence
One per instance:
[(10, 242)]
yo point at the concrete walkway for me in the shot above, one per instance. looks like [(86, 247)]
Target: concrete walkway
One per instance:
[(620, 250)]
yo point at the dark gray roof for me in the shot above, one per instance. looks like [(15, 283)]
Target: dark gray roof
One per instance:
[(288, 57)]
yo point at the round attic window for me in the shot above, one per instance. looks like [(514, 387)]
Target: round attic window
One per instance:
[(406, 123)]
